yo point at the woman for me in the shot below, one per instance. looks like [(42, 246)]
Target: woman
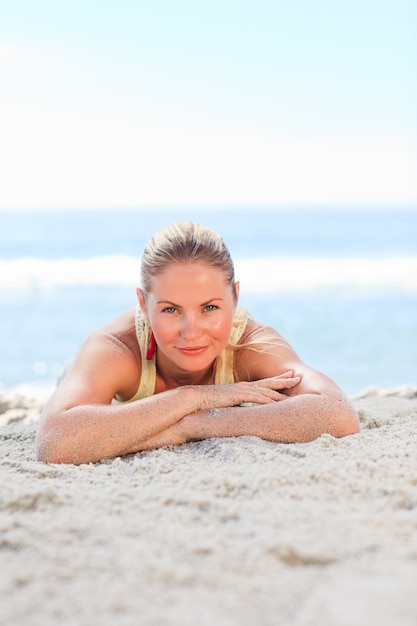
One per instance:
[(186, 364)]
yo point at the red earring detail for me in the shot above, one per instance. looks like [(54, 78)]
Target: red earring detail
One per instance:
[(152, 347)]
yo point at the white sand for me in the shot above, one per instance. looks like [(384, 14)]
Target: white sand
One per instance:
[(222, 532)]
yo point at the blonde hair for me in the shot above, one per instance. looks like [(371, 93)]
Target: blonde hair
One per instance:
[(185, 242)]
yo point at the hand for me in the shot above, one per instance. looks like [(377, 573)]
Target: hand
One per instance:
[(262, 391)]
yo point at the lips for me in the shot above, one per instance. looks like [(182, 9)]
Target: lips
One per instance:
[(193, 350)]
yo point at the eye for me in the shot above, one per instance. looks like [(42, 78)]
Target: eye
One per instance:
[(211, 307), (169, 309)]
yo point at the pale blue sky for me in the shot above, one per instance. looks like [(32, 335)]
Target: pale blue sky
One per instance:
[(137, 103)]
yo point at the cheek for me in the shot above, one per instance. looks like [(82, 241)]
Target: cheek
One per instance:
[(223, 328), (162, 330)]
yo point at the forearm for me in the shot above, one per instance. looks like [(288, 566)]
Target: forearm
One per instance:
[(299, 418), (88, 433)]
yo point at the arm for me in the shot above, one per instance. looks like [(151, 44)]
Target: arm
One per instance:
[(80, 425), (299, 417), (301, 413), (302, 416), (313, 407)]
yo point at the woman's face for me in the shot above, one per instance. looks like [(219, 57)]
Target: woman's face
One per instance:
[(190, 308)]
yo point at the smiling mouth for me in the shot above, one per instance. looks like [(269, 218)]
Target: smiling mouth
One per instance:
[(194, 350)]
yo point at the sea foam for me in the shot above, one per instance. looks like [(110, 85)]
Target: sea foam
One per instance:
[(257, 275)]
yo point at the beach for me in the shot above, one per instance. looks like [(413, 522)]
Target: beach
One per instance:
[(232, 532)]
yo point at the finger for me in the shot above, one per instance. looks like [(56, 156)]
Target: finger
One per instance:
[(279, 383), (269, 394), (285, 376), (289, 383), (277, 397)]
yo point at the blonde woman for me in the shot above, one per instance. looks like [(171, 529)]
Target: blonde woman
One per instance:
[(186, 364)]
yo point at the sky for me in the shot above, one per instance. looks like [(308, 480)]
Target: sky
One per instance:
[(147, 103)]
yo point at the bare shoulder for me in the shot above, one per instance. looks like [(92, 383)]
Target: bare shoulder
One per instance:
[(107, 365), (114, 340), (258, 333), (267, 353), (264, 352), (120, 334)]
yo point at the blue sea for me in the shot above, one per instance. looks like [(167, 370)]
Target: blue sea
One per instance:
[(340, 284)]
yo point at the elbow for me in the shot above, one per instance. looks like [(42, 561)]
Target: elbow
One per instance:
[(52, 447), (56, 457), (46, 452), (45, 456), (335, 415), (346, 428), (345, 422), (55, 441), (49, 438)]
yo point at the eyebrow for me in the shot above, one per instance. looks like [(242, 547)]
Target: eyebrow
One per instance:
[(178, 305)]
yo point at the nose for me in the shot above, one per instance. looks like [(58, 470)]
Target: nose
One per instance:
[(190, 327)]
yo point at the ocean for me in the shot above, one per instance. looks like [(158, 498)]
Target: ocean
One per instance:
[(340, 284)]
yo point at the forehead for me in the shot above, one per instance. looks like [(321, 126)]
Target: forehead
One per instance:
[(190, 275)]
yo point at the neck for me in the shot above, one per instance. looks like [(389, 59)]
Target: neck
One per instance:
[(172, 380)]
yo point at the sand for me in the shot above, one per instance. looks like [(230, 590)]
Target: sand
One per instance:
[(222, 532)]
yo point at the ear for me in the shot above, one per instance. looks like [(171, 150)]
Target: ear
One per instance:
[(141, 301), (237, 290)]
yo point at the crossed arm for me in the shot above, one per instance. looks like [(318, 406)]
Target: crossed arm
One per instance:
[(80, 425), (298, 415)]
